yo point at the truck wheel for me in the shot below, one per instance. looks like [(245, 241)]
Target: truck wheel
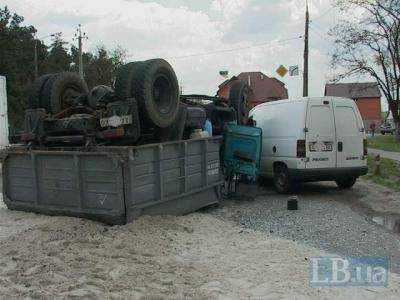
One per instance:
[(98, 94), (158, 93), (238, 99), (282, 182), (346, 183), (46, 93), (36, 90), (61, 89), (176, 130), (155, 86), (126, 81), (196, 117)]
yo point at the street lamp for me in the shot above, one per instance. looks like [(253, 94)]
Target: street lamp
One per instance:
[(36, 54)]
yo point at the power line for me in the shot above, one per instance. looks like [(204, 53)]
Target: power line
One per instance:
[(315, 29), (232, 49), (236, 49), (316, 26), (324, 14)]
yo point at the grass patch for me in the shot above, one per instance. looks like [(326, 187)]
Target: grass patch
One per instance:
[(390, 173), (384, 142)]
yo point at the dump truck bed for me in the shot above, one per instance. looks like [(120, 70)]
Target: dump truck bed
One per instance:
[(114, 185)]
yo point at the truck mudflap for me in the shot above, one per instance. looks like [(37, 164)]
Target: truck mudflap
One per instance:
[(114, 185)]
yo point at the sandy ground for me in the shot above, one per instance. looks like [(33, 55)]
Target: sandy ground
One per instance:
[(195, 256)]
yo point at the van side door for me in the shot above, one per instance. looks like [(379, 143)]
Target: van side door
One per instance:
[(320, 135), (349, 135)]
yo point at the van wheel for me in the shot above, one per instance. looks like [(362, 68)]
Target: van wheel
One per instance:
[(282, 182), (346, 183)]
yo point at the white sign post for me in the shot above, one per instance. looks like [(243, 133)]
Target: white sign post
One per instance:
[(4, 142), (294, 71)]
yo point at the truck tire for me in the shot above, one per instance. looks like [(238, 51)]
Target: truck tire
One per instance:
[(36, 90), (61, 89), (46, 93), (196, 117), (155, 86), (346, 183), (175, 131), (238, 99), (282, 181), (126, 81), (99, 93)]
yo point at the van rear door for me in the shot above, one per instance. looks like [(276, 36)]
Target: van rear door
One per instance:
[(320, 135), (349, 133)]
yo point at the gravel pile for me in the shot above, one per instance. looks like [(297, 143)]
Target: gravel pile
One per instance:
[(320, 222)]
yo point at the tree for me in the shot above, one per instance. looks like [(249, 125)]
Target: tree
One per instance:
[(370, 45), (17, 43), (100, 68), (16, 63), (58, 59)]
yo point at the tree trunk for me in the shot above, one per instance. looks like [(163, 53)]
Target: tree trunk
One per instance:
[(397, 132)]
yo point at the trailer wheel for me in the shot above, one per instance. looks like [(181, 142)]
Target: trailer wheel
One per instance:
[(61, 89), (238, 99), (36, 90), (155, 86)]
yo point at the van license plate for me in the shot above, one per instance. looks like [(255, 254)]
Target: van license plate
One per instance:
[(321, 147)]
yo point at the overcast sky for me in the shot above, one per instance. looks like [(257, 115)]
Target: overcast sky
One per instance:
[(267, 31)]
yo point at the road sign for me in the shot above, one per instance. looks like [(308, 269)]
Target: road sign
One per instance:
[(224, 73), (282, 71), (294, 71)]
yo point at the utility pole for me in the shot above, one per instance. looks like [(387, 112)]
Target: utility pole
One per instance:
[(305, 71), (79, 36), (36, 61)]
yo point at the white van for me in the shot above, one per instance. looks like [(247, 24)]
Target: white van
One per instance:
[(312, 139)]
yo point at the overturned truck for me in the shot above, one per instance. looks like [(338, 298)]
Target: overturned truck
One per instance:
[(114, 153), (62, 111)]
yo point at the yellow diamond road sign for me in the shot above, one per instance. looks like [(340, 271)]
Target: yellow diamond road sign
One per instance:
[(282, 71)]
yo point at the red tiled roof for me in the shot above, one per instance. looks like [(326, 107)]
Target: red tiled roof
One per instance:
[(353, 90), (227, 81), (264, 88)]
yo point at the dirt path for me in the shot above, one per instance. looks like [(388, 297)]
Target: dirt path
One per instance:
[(199, 256), (385, 154)]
